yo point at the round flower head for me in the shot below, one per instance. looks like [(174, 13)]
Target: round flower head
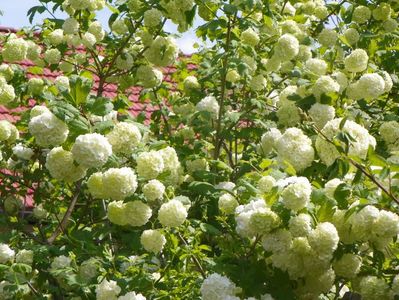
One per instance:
[(386, 225), (162, 52), (269, 140), (243, 215), (6, 253), (371, 85), (132, 296), (296, 195), (296, 148), (361, 14), (149, 77), (217, 287), (48, 130), (124, 61), (356, 61), (119, 27), (287, 47), (352, 36), (8, 131), (250, 37), (388, 81), (15, 50), (390, 133), (348, 266), (390, 25), (277, 241), (6, 71), (124, 138), (172, 214), (316, 66), (210, 105), (153, 190), (321, 114), (89, 269), (288, 114), (60, 262), (56, 37), (119, 183), (227, 203), (341, 79), (61, 166), (88, 39), (150, 164), (116, 213), (300, 225), (52, 56), (359, 147), (96, 29), (328, 37), (382, 12), (305, 53), (232, 76), (190, 83), (24, 257), (324, 239), (152, 240), (263, 220), (33, 51), (266, 183), (372, 287), (7, 93), (107, 290), (325, 85), (91, 150), (152, 17), (137, 213)]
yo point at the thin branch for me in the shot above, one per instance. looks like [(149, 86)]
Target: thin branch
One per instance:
[(195, 260), (61, 227)]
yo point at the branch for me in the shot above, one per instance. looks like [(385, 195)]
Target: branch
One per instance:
[(195, 260), (61, 227)]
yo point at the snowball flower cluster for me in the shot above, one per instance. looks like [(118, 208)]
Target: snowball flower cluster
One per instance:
[(300, 225), (91, 150), (227, 203), (134, 213), (172, 213), (356, 61), (266, 183), (328, 37), (153, 190), (209, 104), (269, 140), (348, 265), (352, 36), (162, 52), (6, 253), (150, 164), (390, 134), (287, 47), (107, 290), (7, 93), (24, 257), (258, 83), (325, 85), (316, 66), (149, 76), (119, 27), (115, 183), (321, 114), (295, 148), (369, 86), (8, 132), (152, 17), (52, 56), (35, 86), (218, 287), (191, 83), (296, 195), (48, 130), (124, 138), (250, 37), (359, 147), (61, 165), (14, 50), (361, 14), (152, 240), (324, 239)]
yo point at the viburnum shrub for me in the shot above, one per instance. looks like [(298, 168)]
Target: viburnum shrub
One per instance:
[(267, 170)]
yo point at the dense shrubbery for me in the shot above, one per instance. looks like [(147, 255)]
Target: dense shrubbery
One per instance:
[(267, 172)]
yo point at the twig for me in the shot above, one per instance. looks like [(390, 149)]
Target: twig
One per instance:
[(195, 260), (61, 227)]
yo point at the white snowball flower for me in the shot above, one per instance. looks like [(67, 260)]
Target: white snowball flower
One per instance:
[(356, 61), (61, 166), (150, 164), (91, 150), (172, 214), (243, 215), (152, 240), (328, 37), (227, 203), (328, 153), (24, 257), (325, 85), (6, 253), (371, 85), (296, 195), (287, 47), (153, 190), (48, 130), (352, 35), (124, 138), (269, 140), (266, 183), (249, 37), (137, 213), (22, 152), (324, 239), (119, 183), (296, 148), (132, 296), (300, 225), (361, 14), (107, 290), (316, 66), (210, 105), (321, 114), (149, 77), (152, 17), (348, 265), (15, 50), (217, 287)]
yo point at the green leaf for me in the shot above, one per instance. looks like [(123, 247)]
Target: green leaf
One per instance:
[(342, 194), (80, 88), (201, 187), (99, 106)]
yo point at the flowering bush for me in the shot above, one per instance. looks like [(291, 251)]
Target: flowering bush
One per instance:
[(268, 170)]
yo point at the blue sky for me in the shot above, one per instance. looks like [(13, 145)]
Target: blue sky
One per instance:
[(14, 15)]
